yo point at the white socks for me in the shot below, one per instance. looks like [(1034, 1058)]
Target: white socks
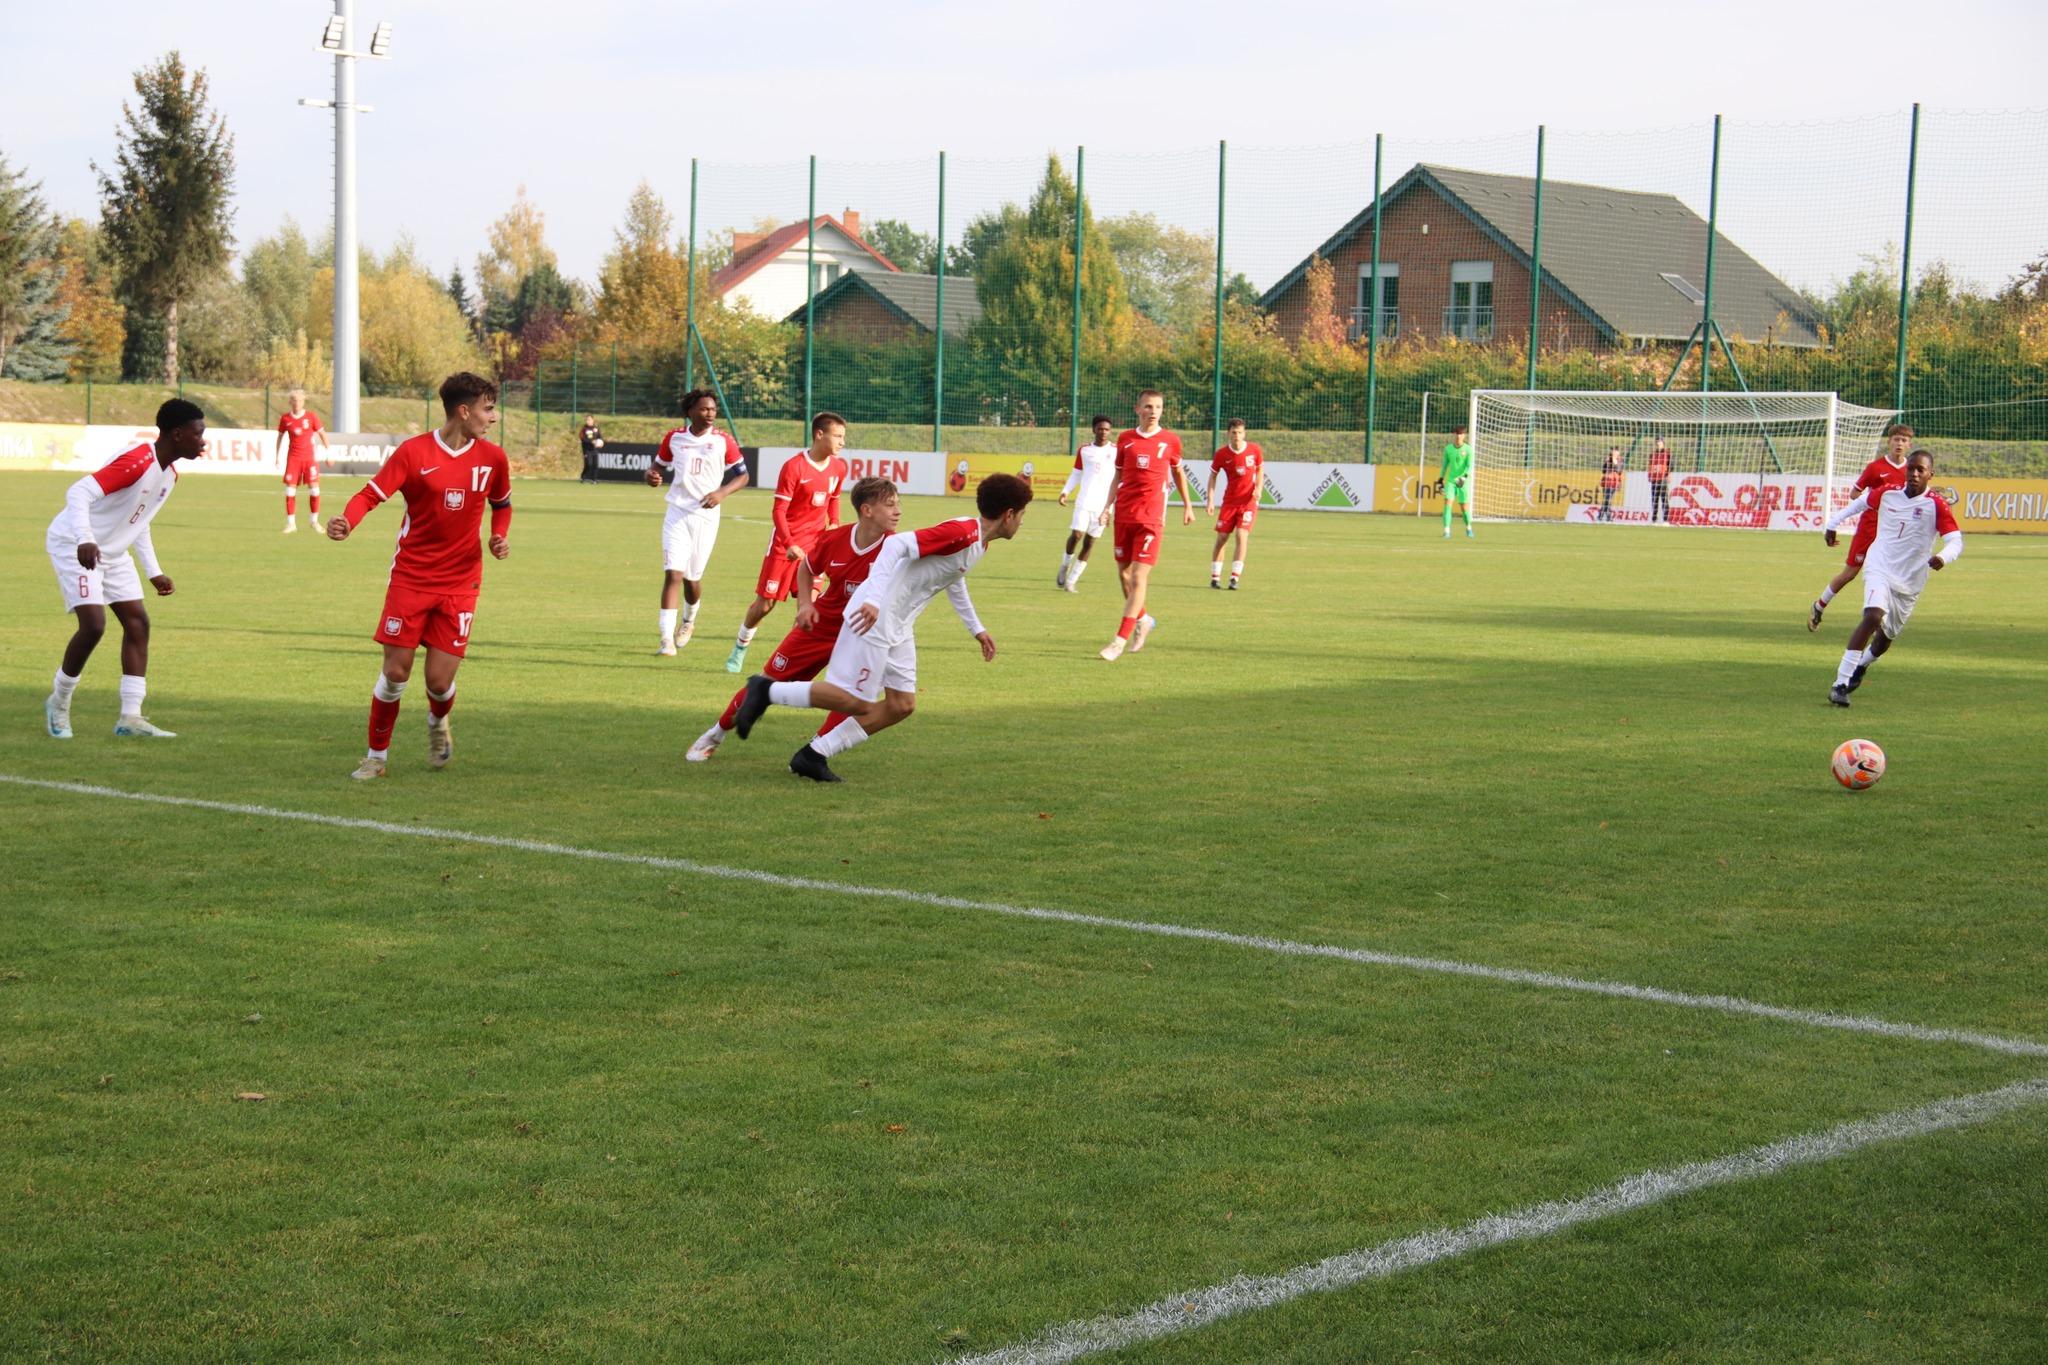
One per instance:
[(1067, 564), (1236, 568), (63, 685), (668, 625), (1827, 595), (842, 737), (1215, 568), (745, 637), (689, 612), (133, 689), (1074, 574), (790, 693), (385, 690), (1850, 658)]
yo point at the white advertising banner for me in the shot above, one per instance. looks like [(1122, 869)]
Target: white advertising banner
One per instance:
[(1296, 486), (1771, 502), (229, 450), (919, 473)]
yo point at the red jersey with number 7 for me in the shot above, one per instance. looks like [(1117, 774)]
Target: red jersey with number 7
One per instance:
[(1145, 463), (806, 499), (445, 492)]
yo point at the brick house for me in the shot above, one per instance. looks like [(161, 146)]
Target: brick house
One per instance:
[(1620, 268), (868, 305), (767, 268)]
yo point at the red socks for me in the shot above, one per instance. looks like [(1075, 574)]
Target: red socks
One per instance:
[(438, 707), (730, 716), (383, 717), (1129, 624), (291, 504)]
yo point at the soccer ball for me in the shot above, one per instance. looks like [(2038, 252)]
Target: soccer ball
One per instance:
[(1858, 764)]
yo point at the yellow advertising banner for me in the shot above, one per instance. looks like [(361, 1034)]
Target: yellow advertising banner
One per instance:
[(2009, 506), (31, 445), (1399, 488), (1046, 474)]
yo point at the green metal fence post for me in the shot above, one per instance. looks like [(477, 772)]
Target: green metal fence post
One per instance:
[(810, 296), (427, 409), (717, 389), (1372, 310), (1536, 266), (1707, 302), (615, 381), (537, 367), (690, 293), (88, 400), (1074, 384), (575, 380), (266, 405), (1906, 265), (939, 324), (1216, 362)]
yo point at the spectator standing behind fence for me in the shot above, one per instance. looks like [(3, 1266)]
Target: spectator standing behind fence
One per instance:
[(593, 441), (1610, 482), (1660, 483)]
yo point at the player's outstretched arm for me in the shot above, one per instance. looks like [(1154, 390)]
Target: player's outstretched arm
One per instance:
[(1859, 503)]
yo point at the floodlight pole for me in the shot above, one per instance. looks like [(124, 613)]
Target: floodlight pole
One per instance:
[(348, 369)]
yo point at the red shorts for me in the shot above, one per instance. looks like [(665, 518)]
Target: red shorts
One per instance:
[(416, 616), (778, 573), (300, 469), (1137, 543), (1236, 518), (1859, 543)]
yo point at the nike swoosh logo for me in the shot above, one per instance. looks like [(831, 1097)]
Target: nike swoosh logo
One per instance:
[(430, 469), (836, 564)]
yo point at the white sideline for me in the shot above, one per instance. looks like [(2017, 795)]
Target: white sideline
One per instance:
[(1177, 1313), (1725, 1004)]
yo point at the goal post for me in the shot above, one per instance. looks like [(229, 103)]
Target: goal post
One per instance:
[(1763, 461)]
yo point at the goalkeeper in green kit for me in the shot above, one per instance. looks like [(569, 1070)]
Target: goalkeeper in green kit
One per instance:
[(1457, 479)]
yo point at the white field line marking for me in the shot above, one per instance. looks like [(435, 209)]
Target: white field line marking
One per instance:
[(1177, 1313), (1725, 1004)]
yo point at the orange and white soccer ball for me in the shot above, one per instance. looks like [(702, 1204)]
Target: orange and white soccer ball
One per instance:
[(1858, 764)]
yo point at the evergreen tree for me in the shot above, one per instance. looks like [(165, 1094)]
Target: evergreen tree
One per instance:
[(165, 208), (458, 290), (903, 246), (32, 315), (1026, 284), (277, 273)]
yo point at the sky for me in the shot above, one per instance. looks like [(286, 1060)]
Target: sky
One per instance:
[(579, 103)]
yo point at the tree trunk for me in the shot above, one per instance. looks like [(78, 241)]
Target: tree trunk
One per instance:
[(171, 344)]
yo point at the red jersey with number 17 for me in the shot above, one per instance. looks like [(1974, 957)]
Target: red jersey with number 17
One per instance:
[(836, 558), (1145, 463), (445, 494)]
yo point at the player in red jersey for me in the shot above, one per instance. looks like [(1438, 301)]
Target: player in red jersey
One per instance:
[(296, 432), (1243, 465), (445, 477), (1887, 471), (1144, 456), (1660, 483), (842, 557), (806, 505)]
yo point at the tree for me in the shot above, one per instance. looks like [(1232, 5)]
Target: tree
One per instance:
[(2030, 285), (518, 245), (1026, 283), (458, 293), (413, 334), (165, 208), (277, 273), (32, 313), (92, 325), (1320, 325), (984, 232), (643, 285), (1170, 271), (903, 246)]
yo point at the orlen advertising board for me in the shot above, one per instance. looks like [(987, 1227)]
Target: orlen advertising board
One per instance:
[(920, 473), (1773, 502)]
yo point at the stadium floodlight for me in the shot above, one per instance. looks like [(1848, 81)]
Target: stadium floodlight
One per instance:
[(331, 38), (380, 40)]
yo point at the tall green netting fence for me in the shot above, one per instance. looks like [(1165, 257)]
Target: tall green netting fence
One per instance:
[(1346, 299)]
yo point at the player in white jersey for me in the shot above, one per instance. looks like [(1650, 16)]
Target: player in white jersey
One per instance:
[(1896, 566), (707, 466), (873, 671), (95, 545), (1094, 471)]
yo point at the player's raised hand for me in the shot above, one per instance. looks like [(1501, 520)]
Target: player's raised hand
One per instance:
[(500, 547), (338, 528), (863, 618), (988, 648), (162, 584), (88, 555), (1829, 537)]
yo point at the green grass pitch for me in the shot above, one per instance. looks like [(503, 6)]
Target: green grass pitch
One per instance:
[(527, 1106)]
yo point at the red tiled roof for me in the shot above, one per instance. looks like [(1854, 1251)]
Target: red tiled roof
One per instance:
[(749, 261)]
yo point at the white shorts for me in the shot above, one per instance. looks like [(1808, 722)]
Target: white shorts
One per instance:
[(1090, 521), (864, 665), (686, 540), (114, 580), (1891, 597)]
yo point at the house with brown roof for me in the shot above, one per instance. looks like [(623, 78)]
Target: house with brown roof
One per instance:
[(1620, 268), (874, 305), (767, 271)]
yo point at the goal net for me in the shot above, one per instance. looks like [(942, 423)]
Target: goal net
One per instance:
[(1765, 461)]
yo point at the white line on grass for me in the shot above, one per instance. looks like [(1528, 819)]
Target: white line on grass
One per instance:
[(1725, 1004), (1177, 1313)]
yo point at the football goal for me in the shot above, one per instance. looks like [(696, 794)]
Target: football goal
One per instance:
[(1767, 461)]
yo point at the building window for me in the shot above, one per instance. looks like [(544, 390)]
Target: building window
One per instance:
[(1470, 316), (823, 273), (1389, 301), (1683, 286)]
